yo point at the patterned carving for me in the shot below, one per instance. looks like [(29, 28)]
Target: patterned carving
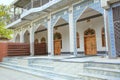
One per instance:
[(89, 32), (63, 14), (42, 21), (116, 17), (81, 7)]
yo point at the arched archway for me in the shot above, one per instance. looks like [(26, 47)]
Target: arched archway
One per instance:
[(41, 46), (57, 36), (27, 37), (17, 39), (57, 43), (92, 19), (90, 42), (43, 40), (36, 41), (61, 37), (103, 37)]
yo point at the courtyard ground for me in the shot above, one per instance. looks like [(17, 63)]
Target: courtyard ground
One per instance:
[(8, 74)]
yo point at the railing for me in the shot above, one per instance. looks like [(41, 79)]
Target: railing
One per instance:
[(35, 3), (28, 6)]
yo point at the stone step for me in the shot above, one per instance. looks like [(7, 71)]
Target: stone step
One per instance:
[(104, 65), (41, 61), (11, 61), (44, 67), (90, 76), (42, 73), (103, 71)]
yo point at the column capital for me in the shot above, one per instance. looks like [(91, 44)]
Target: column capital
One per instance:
[(70, 9)]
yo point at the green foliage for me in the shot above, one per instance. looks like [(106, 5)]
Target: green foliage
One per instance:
[(4, 18)]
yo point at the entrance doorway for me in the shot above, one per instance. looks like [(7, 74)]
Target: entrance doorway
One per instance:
[(90, 42), (57, 43)]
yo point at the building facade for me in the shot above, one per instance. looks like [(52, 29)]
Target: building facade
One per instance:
[(56, 27)]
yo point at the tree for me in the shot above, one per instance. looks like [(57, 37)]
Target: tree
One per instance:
[(4, 18)]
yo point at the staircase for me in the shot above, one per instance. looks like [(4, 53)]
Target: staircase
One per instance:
[(42, 64), (53, 69), (101, 71), (38, 67)]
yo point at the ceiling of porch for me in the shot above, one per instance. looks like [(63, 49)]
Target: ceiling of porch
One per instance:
[(88, 13)]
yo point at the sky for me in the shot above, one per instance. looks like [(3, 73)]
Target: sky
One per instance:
[(6, 2)]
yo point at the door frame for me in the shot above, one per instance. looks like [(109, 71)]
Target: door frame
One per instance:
[(90, 33)]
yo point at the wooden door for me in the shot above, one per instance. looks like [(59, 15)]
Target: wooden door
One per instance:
[(57, 47), (90, 45)]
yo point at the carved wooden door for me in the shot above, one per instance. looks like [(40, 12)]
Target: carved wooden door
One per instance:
[(57, 47), (90, 45)]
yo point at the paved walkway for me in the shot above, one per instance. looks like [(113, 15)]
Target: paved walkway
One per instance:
[(94, 59), (7, 74)]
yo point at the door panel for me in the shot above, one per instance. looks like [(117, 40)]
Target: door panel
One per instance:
[(57, 47), (90, 45)]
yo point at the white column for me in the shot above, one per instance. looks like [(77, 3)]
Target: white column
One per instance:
[(106, 30), (72, 33), (21, 37), (111, 34), (50, 39), (31, 42)]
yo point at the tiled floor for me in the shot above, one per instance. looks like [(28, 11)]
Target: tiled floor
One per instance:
[(7, 74)]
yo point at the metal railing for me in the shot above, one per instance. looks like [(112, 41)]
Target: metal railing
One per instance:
[(35, 3), (30, 5)]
